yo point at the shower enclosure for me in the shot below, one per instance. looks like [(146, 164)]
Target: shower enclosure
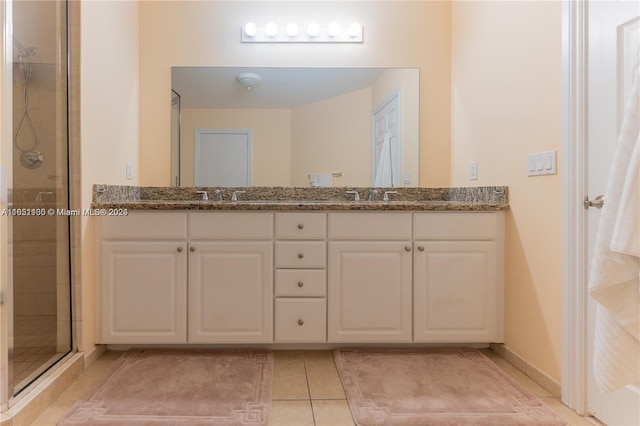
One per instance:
[(37, 291)]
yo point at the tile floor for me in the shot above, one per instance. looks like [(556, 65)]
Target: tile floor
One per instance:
[(306, 391)]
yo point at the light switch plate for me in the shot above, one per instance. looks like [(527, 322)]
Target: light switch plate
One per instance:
[(473, 171), (541, 163)]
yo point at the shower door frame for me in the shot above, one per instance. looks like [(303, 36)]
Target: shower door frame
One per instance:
[(7, 391), (6, 171)]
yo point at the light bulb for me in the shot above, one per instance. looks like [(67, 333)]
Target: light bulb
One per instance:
[(250, 29), (355, 29), (333, 29), (271, 29), (292, 29), (313, 29)]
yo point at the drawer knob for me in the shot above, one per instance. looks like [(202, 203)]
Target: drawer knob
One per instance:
[(300, 284), (300, 226), (407, 248), (420, 248), (179, 249), (300, 256), (192, 249), (300, 322)]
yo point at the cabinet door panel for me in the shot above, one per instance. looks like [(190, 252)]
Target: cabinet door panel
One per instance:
[(369, 292), (455, 287), (144, 292), (231, 292)]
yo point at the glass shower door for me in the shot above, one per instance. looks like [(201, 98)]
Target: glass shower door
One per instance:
[(39, 192)]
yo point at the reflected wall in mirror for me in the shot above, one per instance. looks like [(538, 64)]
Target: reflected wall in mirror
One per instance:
[(358, 125)]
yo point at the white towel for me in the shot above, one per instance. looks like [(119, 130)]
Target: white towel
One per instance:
[(321, 179), (383, 172), (615, 270)]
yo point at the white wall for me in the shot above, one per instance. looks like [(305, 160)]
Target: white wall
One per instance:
[(333, 136), (207, 33), (271, 131), (506, 103), (109, 119)]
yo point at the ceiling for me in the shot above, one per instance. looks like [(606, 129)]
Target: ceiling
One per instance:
[(217, 87)]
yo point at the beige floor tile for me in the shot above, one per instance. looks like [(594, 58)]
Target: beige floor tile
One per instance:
[(291, 413), (289, 377), (322, 374), (334, 412), (52, 414)]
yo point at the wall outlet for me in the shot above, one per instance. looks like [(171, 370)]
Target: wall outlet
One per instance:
[(129, 170), (473, 171)]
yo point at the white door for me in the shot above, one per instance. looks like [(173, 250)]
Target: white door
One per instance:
[(222, 157), (385, 143), (614, 36)]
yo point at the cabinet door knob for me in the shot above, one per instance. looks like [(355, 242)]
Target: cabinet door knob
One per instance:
[(192, 249), (420, 248), (300, 256), (300, 322), (179, 249), (407, 248), (300, 226), (300, 284)]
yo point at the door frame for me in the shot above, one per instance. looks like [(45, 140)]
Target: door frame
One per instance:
[(574, 218)]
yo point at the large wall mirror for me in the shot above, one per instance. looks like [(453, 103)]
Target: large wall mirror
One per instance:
[(295, 126)]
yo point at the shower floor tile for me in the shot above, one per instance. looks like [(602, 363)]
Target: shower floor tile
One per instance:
[(35, 347)]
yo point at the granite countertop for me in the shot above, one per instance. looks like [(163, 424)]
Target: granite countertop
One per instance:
[(488, 198)]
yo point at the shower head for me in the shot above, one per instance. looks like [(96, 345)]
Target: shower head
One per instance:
[(24, 52)]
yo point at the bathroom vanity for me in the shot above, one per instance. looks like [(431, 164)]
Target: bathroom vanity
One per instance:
[(289, 270)]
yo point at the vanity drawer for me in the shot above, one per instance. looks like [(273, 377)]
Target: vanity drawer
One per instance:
[(147, 225), (301, 283), (457, 225), (299, 254), (370, 226), (230, 226), (301, 226), (301, 320)]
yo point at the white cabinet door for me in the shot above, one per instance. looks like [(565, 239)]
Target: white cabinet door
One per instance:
[(144, 292), (455, 287), (230, 292), (369, 292)]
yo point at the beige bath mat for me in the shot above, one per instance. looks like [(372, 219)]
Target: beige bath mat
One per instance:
[(435, 387), (154, 387)]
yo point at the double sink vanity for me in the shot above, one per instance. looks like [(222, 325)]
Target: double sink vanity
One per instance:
[(299, 265)]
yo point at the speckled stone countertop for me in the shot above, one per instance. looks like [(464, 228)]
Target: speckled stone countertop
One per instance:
[(485, 198)]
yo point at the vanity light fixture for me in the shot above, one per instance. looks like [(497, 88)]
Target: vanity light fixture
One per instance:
[(334, 32)]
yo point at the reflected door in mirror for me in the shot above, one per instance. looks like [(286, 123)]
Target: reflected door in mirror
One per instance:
[(222, 157)]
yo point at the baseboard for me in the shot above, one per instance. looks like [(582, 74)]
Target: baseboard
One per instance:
[(527, 369), (92, 356)]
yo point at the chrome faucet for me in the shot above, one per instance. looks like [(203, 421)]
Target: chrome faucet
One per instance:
[(218, 194), (205, 196), (234, 197), (372, 194), (385, 198), (356, 196)]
